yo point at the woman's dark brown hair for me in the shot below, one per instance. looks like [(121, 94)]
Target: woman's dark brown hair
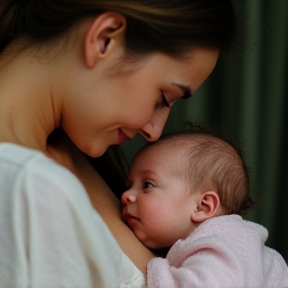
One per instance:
[(171, 27)]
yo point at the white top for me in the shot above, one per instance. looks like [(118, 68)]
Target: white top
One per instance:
[(50, 234)]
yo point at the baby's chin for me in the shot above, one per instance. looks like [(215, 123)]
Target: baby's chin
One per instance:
[(154, 245), (147, 241)]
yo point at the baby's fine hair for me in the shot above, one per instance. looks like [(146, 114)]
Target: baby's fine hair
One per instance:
[(215, 163)]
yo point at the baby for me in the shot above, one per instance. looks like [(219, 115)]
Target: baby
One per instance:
[(187, 191)]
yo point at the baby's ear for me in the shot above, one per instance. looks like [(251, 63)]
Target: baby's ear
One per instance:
[(207, 206)]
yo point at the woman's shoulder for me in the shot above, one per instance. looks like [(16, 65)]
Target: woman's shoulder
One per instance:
[(29, 171)]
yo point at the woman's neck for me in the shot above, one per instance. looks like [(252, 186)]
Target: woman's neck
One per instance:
[(28, 110)]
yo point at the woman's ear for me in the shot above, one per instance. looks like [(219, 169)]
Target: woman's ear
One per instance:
[(102, 36), (207, 206)]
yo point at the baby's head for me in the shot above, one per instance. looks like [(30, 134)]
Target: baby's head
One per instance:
[(180, 181)]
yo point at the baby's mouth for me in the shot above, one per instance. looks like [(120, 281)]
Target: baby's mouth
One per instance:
[(127, 217)]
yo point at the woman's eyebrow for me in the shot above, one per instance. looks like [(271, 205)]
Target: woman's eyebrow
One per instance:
[(187, 93)]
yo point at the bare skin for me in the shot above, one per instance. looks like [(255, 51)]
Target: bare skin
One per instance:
[(63, 151)]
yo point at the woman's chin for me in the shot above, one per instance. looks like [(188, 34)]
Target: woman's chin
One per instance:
[(94, 151)]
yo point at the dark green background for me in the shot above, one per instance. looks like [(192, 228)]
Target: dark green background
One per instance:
[(246, 95)]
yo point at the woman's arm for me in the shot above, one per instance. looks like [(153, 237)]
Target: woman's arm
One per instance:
[(62, 150), (109, 207)]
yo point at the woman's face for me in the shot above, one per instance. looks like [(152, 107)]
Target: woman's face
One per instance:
[(110, 109)]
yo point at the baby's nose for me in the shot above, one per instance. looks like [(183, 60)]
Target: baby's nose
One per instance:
[(128, 197)]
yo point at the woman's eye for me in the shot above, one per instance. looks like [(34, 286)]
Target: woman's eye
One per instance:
[(148, 184), (164, 102)]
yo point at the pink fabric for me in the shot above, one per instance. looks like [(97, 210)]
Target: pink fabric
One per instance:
[(224, 251)]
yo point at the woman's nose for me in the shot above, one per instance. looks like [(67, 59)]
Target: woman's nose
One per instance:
[(128, 197), (153, 129)]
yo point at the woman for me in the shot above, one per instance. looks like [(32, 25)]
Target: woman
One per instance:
[(102, 71)]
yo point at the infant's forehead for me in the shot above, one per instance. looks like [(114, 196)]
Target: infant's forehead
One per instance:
[(165, 148), (178, 145), (162, 157), (175, 143)]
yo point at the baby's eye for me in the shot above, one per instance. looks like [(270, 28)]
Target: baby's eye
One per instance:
[(148, 184)]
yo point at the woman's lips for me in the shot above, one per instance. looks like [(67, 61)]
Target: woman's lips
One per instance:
[(122, 137)]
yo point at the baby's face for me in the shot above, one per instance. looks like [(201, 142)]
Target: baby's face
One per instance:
[(158, 203)]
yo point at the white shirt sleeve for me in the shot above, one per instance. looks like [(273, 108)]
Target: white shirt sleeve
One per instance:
[(51, 236)]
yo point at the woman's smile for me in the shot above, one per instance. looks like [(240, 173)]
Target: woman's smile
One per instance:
[(122, 137)]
